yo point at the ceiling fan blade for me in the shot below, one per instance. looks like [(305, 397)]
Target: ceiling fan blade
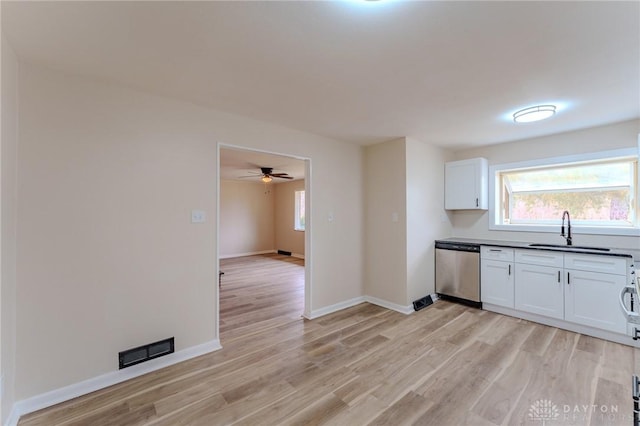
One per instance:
[(279, 174), (283, 177)]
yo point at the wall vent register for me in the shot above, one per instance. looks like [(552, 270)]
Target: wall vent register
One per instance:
[(146, 352)]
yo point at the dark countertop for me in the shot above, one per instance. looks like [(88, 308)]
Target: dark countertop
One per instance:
[(620, 252)]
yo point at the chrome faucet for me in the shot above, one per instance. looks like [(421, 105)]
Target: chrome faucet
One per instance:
[(568, 235)]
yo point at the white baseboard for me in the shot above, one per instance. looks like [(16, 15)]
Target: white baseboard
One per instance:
[(254, 253), (13, 418), (75, 390), (335, 308), (356, 301), (251, 253), (408, 309)]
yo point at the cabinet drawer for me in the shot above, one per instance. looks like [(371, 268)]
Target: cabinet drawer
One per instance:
[(496, 253), (595, 263), (540, 257)]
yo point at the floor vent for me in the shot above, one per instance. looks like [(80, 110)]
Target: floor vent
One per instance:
[(422, 303), (286, 253), (145, 353)]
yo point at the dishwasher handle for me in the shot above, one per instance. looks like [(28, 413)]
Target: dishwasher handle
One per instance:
[(457, 246)]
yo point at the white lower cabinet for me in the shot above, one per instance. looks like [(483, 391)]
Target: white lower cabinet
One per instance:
[(497, 276), (589, 300), (497, 283), (539, 290), (579, 288)]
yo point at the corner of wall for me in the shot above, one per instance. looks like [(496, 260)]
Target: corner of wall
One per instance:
[(8, 217), (385, 221)]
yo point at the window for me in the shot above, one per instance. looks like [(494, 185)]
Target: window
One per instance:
[(298, 215), (599, 191)]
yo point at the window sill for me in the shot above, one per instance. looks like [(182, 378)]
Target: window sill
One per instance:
[(579, 230)]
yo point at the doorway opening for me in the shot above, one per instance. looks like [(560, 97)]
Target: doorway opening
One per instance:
[(263, 239)]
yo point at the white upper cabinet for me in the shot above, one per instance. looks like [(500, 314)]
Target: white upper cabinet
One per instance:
[(466, 184)]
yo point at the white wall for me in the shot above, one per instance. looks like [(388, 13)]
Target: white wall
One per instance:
[(107, 256), (427, 219), (8, 155), (255, 217), (386, 222), (475, 224), (246, 218), (404, 177), (287, 238)]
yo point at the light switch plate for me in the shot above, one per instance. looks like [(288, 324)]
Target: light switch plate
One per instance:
[(198, 216)]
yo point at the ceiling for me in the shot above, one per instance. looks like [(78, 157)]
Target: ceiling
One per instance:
[(239, 164), (450, 73)]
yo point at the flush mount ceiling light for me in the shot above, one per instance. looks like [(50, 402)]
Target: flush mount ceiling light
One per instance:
[(266, 179), (535, 113)]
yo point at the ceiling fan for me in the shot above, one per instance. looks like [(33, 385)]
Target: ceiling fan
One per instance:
[(268, 175)]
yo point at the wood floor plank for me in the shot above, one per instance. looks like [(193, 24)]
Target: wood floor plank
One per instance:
[(406, 410), (617, 363), (502, 395), (446, 365), (590, 344), (607, 409), (318, 413), (193, 413), (539, 339), (306, 394), (361, 412)]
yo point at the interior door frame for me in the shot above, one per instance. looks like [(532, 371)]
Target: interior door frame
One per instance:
[(308, 258)]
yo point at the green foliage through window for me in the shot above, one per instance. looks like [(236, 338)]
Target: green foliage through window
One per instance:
[(595, 193)]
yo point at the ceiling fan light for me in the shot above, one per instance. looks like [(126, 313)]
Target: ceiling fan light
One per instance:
[(535, 113), (266, 179)]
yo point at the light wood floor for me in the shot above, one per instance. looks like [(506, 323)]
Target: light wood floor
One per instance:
[(445, 365)]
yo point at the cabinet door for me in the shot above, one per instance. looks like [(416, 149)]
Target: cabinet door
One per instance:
[(465, 184), (496, 285), (539, 290), (591, 298)]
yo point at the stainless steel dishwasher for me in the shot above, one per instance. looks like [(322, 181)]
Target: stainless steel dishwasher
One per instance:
[(458, 272)]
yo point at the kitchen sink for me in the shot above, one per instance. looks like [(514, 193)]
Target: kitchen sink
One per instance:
[(571, 247)]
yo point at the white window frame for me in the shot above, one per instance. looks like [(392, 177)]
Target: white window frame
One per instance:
[(495, 188), (296, 214)]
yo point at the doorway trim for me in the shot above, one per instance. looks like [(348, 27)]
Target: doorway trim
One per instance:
[(308, 257)]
